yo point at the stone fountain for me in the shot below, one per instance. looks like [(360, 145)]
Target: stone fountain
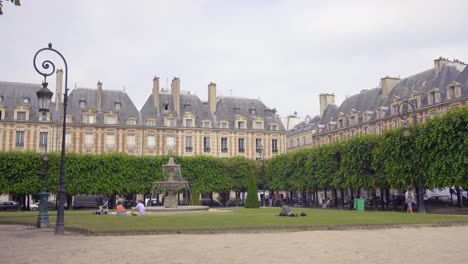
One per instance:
[(172, 183)]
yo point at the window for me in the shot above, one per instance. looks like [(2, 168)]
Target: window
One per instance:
[(241, 124), (414, 103), (395, 109), (258, 125), (69, 119), (224, 125), (274, 127), (304, 141), (433, 97), (188, 144), (237, 110), (90, 119), (20, 139), (68, 140), (43, 117), (89, 138), (396, 123), (131, 141), (151, 122), (188, 122), (380, 129), (118, 105), (21, 116), (341, 123), (166, 107), (151, 142), (297, 141), (206, 144), (82, 104), (365, 130), (352, 120), (274, 146), (170, 122), (26, 100), (111, 120), (224, 145), (240, 145), (252, 111), (109, 141), (43, 139), (451, 92), (258, 145), (353, 133), (131, 121), (170, 142)]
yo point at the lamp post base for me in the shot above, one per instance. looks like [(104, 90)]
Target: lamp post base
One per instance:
[(43, 217)]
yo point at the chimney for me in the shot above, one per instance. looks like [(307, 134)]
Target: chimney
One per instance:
[(212, 97), (99, 96), (58, 89), (175, 87), (325, 100), (156, 98), (438, 64), (388, 83)]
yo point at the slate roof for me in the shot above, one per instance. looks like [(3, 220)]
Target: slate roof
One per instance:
[(108, 100), (12, 94)]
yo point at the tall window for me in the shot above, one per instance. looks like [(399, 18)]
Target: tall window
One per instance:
[(89, 138), (240, 145), (258, 143), (258, 125), (109, 141), (188, 144), (274, 145), (21, 116), (395, 109), (451, 92), (151, 142), (170, 142), (241, 124), (224, 145), (188, 123), (365, 130), (171, 122), (380, 129), (206, 144), (20, 139), (131, 141), (43, 139), (68, 140)]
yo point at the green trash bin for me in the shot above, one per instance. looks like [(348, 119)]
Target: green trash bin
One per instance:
[(358, 204)]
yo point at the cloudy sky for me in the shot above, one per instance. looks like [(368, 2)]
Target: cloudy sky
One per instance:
[(284, 52)]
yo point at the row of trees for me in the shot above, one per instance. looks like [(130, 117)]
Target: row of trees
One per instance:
[(381, 161), (365, 162)]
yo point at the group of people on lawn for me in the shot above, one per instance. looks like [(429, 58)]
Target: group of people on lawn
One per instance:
[(138, 210)]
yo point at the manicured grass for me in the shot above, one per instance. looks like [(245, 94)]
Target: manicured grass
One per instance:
[(230, 220)]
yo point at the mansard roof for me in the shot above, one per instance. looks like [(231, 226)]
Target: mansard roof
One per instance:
[(225, 111), (108, 100), (13, 94)]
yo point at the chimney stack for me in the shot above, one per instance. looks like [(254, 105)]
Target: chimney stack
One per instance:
[(175, 89), (438, 64), (156, 98), (388, 83), (325, 100), (58, 89), (99, 96), (212, 97)]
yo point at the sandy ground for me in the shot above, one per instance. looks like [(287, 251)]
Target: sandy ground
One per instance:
[(20, 244)]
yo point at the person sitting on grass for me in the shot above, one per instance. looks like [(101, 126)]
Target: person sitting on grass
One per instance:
[(285, 210), (120, 210), (139, 209)]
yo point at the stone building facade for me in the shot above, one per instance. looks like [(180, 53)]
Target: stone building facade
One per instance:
[(432, 92), (170, 122)]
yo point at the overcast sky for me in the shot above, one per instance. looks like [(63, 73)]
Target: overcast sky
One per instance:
[(284, 52)]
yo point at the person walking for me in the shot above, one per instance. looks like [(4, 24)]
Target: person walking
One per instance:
[(409, 200)]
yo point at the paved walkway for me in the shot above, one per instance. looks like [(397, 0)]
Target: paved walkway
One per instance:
[(22, 244)]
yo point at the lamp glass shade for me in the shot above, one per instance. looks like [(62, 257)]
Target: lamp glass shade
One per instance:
[(44, 96)]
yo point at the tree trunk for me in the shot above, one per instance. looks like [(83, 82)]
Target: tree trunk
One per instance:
[(459, 198), (382, 192), (342, 199), (351, 203), (335, 193)]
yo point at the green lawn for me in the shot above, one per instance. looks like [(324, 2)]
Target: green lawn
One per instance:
[(237, 219)]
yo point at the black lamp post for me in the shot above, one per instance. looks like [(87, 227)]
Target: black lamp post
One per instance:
[(260, 151), (45, 71), (43, 216), (408, 109)]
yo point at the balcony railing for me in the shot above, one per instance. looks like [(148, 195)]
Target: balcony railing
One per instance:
[(224, 150), (274, 151)]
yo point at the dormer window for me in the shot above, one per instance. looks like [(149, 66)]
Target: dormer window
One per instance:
[(252, 111), (414, 103), (206, 124), (171, 122), (188, 122), (258, 125), (274, 127), (82, 103), (131, 121), (237, 110), (433, 96), (21, 116), (241, 124), (151, 122), (224, 124), (117, 105), (26, 100), (188, 107), (90, 119), (111, 120), (166, 107)]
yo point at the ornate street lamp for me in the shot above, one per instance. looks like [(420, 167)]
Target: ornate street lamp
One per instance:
[(45, 71), (43, 216), (260, 151), (408, 109)]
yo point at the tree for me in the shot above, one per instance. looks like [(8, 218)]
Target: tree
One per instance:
[(16, 2), (252, 196)]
